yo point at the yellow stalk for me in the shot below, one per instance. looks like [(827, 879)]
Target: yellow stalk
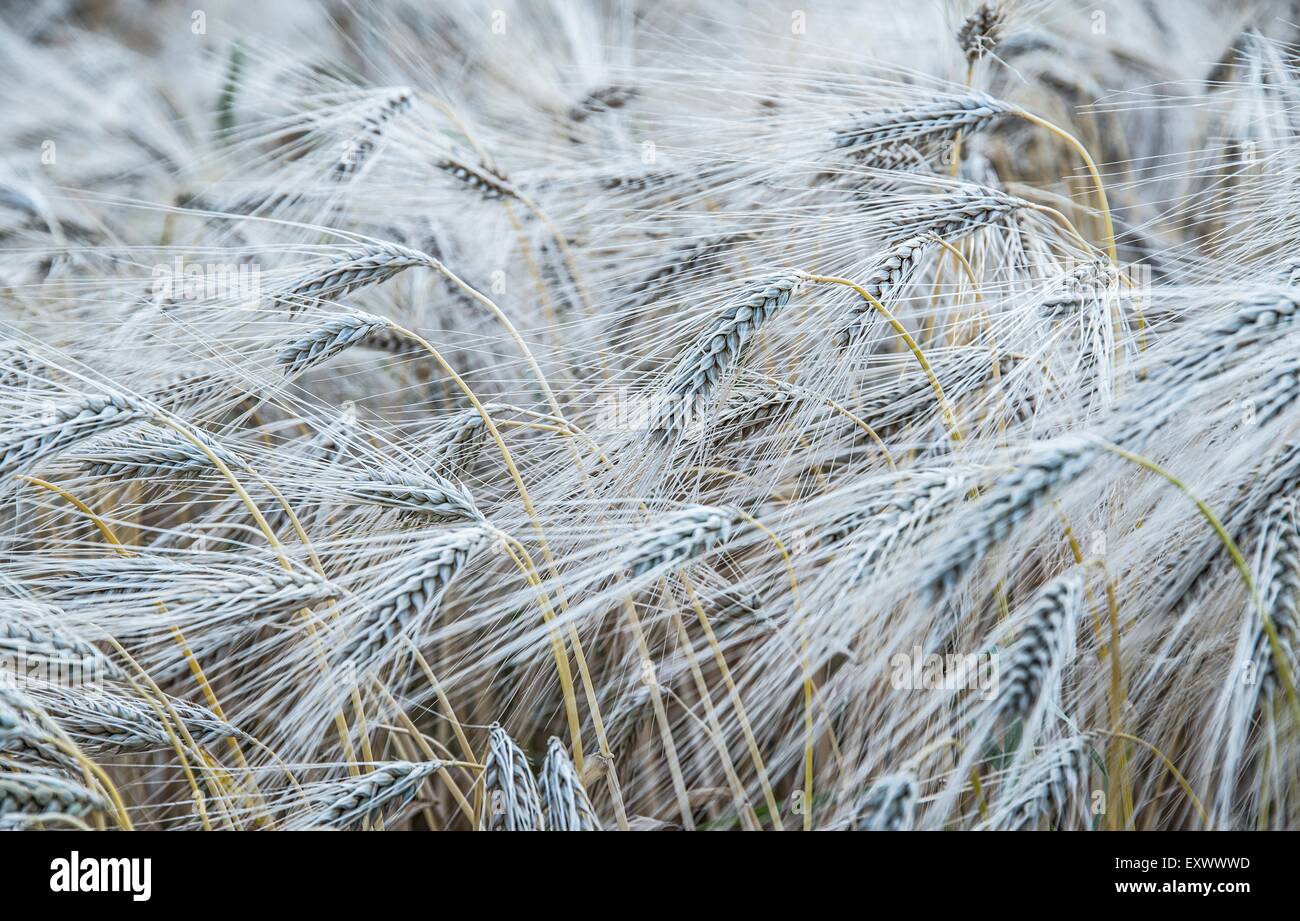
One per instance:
[(950, 417)]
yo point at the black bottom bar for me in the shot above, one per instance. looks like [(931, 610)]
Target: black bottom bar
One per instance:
[(302, 871)]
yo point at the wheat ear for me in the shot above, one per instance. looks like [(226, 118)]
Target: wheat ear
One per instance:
[(564, 799), (347, 804), (511, 800)]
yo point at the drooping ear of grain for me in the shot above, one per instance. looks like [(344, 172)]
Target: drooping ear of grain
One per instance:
[(421, 581), (385, 789), (147, 454), (36, 793), (891, 273), (26, 737), (922, 128), (65, 425), (1279, 579), (45, 640), (888, 805), (679, 536), (1043, 646), (354, 269), (328, 340), (113, 721), (358, 149), (1051, 785), (720, 348), (511, 798), (424, 494), (565, 803), (956, 214), (485, 180)]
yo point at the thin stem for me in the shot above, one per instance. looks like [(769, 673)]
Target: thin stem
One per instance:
[(1275, 642), (1173, 769), (1091, 165), (950, 417), (734, 693)]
